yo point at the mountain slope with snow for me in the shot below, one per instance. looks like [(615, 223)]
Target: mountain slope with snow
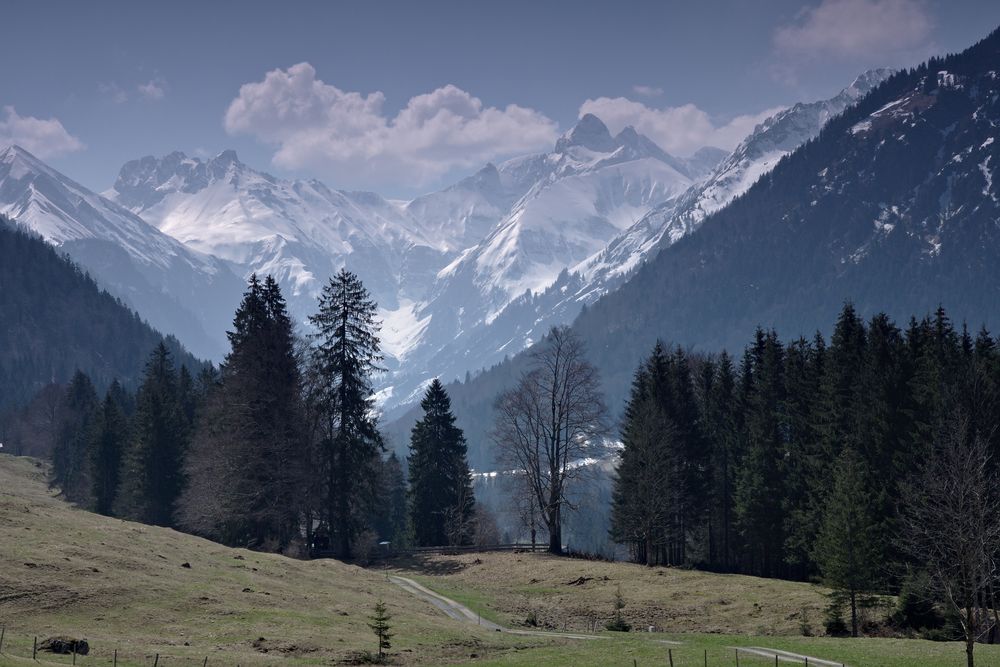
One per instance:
[(525, 312), (756, 155), (299, 231), (583, 193), (893, 207), (177, 289)]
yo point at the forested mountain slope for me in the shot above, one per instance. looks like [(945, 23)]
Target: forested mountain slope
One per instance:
[(55, 320), (179, 290), (892, 207)]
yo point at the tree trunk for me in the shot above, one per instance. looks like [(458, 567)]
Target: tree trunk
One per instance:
[(555, 540), (555, 532), (854, 613), (970, 636)]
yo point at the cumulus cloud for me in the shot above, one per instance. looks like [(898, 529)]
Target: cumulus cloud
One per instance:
[(647, 91), (678, 130), (886, 30), (154, 89), (349, 135), (44, 138)]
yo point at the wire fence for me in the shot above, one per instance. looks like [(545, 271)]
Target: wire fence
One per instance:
[(18, 648)]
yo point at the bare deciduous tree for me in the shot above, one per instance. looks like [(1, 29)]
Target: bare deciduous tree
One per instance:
[(953, 527), (548, 424)]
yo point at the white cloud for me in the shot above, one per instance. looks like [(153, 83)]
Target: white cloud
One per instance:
[(44, 138), (113, 92), (886, 30), (678, 130), (647, 91), (314, 124), (154, 89)]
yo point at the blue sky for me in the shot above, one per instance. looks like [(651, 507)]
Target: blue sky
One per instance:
[(401, 97)]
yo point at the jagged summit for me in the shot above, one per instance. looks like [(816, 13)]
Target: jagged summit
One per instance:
[(589, 132), (176, 288), (867, 81), (227, 156)]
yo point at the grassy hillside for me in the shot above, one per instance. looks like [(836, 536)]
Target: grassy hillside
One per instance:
[(576, 594), (706, 615), (124, 585)]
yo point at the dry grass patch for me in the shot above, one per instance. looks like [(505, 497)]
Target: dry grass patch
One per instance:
[(64, 571), (578, 594)]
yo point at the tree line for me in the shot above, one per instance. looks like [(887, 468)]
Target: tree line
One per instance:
[(277, 449), (821, 460)]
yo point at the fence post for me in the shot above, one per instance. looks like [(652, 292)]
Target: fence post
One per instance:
[(156, 660), (706, 657), (670, 656), (3, 631), (737, 652), (34, 649), (205, 664), (116, 658), (775, 660)]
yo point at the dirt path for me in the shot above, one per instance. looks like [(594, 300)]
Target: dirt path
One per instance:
[(460, 612), (788, 656)]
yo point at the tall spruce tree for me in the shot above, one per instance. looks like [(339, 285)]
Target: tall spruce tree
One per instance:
[(804, 459), (721, 417), (70, 464), (109, 437), (691, 457), (442, 505), (641, 511), (346, 353), (847, 546), (151, 477), (248, 457), (760, 492)]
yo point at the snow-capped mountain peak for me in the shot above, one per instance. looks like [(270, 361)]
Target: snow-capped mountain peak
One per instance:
[(175, 287), (591, 133)]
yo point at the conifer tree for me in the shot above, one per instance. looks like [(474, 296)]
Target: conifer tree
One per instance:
[(70, 469), (760, 492), (346, 353), (248, 455), (804, 461), (721, 416), (379, 624), (440, 483), (846, 548), (109, 437), (151, 476), (691, 456), (641, 511)]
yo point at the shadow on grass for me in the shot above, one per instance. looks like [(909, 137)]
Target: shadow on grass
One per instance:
[(434, 565)]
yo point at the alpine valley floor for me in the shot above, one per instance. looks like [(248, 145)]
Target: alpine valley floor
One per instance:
[(146, 592)]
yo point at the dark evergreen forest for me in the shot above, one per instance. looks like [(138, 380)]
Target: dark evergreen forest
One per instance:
[(55, 320)]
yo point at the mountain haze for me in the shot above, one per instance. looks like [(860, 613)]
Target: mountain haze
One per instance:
[(179, 290), (891, 206)]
